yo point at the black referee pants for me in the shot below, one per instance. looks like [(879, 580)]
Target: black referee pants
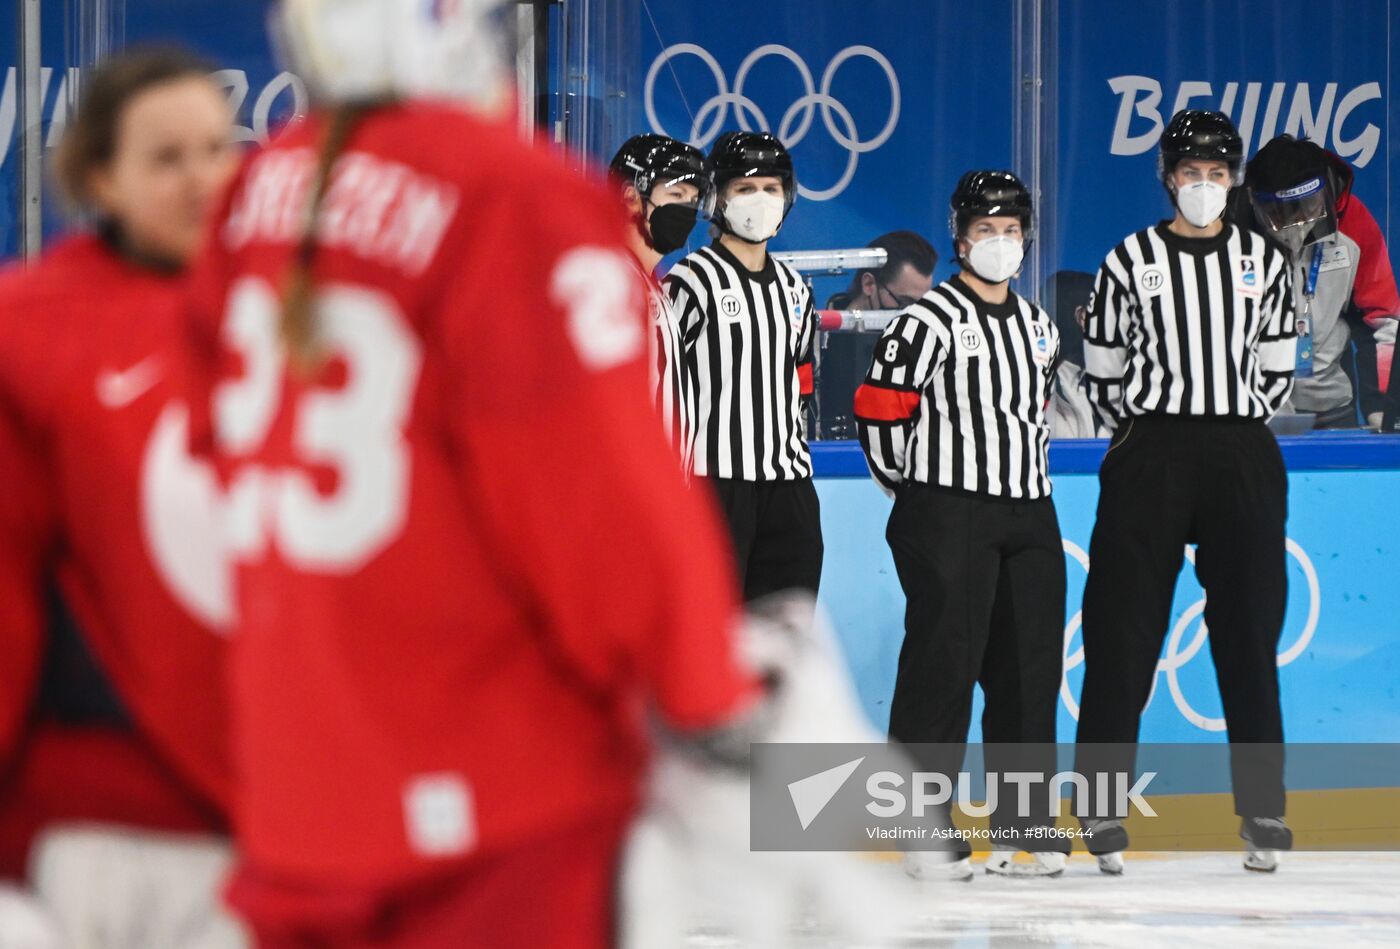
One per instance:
[(984, 585), (776, 529), (1167, 482)]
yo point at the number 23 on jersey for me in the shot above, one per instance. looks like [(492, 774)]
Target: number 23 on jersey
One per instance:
[(357, 429)]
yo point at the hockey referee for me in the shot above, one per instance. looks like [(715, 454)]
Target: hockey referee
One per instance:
[(1189, 349), (952, 420), (748, 328), (663, 182)]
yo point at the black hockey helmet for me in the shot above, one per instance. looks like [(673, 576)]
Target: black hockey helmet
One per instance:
[(1198, 135), (989, 194), (645, 161), (750, 155)]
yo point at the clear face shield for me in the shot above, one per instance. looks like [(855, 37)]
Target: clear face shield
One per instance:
[(683, 174), (1298, 216)]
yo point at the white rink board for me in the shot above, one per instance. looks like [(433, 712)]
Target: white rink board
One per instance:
[(1167, 901)]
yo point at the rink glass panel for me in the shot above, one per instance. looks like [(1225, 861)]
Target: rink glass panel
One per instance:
[(9, 139)]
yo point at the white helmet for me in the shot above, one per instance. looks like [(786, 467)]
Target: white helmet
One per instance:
[(351, 50)]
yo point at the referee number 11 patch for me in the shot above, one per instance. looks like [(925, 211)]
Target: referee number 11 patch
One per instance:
[(1151, 280), (969, 341)]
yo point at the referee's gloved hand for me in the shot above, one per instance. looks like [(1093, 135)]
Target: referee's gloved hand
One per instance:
[(689, 866)]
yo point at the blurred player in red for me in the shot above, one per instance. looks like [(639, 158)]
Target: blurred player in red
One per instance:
[(469, 565), (112, 712)]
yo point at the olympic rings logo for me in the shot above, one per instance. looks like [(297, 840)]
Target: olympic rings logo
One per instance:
[(1176, 657), (796, 122)]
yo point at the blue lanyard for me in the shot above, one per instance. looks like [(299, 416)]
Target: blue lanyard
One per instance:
[(1304, 366), (1311, 288)]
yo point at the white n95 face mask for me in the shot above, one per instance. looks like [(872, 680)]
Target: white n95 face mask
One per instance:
[(996, 259), (755, 217), (1201, 202)]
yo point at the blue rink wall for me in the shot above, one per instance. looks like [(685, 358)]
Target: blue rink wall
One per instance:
[(1340, 651)]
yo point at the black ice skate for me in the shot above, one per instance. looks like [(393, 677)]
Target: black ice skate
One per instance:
[(1106, 840), (1265, 839)]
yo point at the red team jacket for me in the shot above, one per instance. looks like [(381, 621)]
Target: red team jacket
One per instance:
[(88, 364), (469, 557), (1374, 293)]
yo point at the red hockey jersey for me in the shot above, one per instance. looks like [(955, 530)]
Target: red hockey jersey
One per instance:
[(90, 404), (469, 560)]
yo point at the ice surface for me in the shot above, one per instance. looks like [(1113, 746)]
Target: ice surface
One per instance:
[(1176, 900)]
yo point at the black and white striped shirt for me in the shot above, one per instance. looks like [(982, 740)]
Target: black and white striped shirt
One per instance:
[(956, 395), (670, 387), (748, 340), (1191, 326)]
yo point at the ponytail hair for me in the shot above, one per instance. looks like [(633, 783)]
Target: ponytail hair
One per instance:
[(298, 328)]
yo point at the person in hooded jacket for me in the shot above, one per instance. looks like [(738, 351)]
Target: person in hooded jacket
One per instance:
[(1301, 195)]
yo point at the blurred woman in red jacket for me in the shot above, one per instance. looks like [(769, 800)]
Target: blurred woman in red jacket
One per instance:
[(113, 774)]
